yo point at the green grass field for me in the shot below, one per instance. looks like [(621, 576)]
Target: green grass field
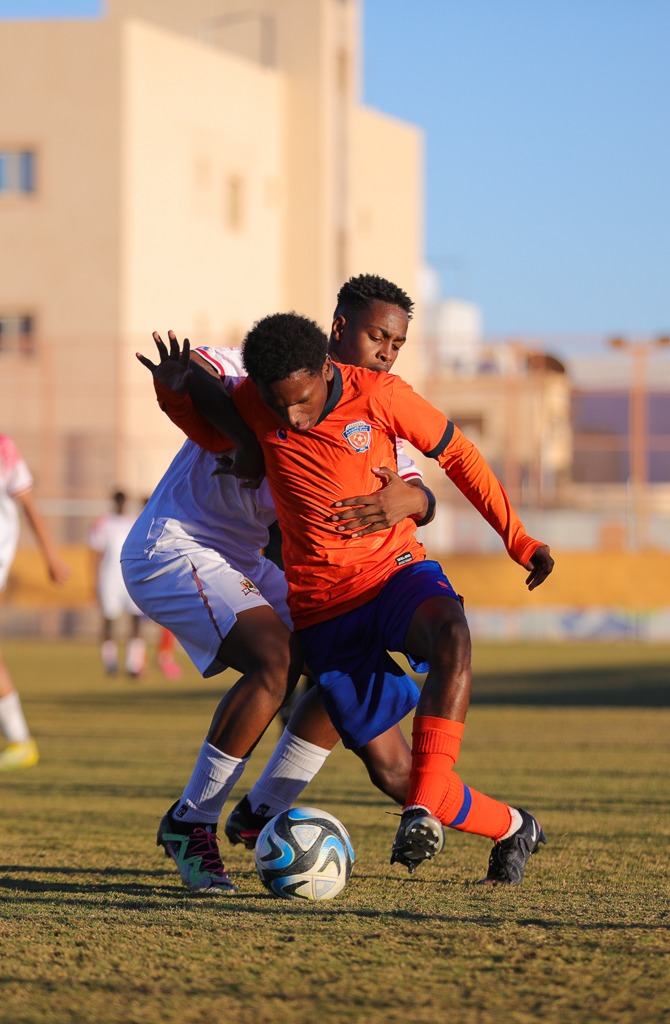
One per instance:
[(96, 928)]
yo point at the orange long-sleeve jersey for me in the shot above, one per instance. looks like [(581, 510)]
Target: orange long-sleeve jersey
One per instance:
[(329, 573)]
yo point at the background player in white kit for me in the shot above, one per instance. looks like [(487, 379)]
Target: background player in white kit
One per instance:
[(16, 485), (202, 535), (105, 540)]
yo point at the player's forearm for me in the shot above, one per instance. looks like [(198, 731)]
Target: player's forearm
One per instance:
[(218, 409), (38, 526), (468, 469), (182, 412)]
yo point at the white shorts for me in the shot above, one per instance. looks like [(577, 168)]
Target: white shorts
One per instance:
[(114, 597), (196, 594)]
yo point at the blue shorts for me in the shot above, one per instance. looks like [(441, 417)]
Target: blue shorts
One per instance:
[(364, 690)]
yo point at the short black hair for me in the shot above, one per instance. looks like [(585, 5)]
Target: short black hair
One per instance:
[(282, 344), (359, 292)]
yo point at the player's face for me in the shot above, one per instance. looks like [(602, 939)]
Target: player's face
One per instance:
[(300, 398), (372, 337)]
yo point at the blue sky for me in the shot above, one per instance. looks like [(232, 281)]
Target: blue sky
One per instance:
[(547, 153), (547, 132)]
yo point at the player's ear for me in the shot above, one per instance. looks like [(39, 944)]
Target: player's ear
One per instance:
[(328, 369), (339, 323)]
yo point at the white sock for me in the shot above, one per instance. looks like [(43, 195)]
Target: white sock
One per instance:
[(136, 653), (110, 655), (293, 764), (213, 777), (12, 719), (516, 823)]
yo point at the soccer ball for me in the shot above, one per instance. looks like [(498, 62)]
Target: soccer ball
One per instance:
[(304, 853)]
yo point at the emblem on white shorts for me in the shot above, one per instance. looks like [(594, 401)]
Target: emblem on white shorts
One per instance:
[(248, 587), (358, 435)]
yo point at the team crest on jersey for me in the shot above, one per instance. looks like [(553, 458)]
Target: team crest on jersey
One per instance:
[(358, 435), (248, 587)]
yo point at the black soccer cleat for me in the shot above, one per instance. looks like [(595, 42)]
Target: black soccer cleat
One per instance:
[(244, 826), (509, 857), (420, 837)]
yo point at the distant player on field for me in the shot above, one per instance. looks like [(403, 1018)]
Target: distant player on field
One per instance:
[(106, 538), (325, 431), (16, 490)]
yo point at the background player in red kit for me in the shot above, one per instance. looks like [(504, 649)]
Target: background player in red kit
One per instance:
[(325, 431)]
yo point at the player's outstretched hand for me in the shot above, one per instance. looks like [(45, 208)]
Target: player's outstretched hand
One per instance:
[(540, 565), (370, 513), (172, 369)]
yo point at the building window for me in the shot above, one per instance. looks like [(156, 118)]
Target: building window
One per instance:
[(17, 172), (17, 335)]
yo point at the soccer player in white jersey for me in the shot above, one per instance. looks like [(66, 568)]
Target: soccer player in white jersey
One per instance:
[(16, 490), (106, 538), (193, 563)]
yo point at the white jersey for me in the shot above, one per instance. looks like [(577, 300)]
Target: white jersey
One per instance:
[(15, 479)]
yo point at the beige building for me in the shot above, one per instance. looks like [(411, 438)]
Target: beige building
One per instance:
[(191, 166)]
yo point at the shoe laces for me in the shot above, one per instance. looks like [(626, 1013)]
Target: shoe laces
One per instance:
[(205, 845)]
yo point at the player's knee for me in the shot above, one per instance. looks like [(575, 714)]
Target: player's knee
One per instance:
[(452, 642), (275, 669)]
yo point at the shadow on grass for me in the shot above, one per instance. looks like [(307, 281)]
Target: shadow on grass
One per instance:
[(148, 898), (630, 685), (626, 686), (143, 895)]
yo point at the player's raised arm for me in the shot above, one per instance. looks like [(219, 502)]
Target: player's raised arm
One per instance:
[(172, 376)]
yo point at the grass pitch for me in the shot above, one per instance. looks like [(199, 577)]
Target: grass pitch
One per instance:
[(95, 926)]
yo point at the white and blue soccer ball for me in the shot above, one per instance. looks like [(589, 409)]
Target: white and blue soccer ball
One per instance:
[(304, 853)]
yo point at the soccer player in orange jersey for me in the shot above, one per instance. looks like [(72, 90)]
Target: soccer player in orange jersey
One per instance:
[(325, 432)]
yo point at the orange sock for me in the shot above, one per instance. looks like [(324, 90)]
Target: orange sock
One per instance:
[(166, 642), (436, 743), (468, 810), (434, 784)]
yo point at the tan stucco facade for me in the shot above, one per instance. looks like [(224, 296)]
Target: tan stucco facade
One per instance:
[(193, 171)]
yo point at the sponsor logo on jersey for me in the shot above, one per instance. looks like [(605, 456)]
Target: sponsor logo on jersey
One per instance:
[(405, 558), (358, 435), (282, 434), (248, 587)]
